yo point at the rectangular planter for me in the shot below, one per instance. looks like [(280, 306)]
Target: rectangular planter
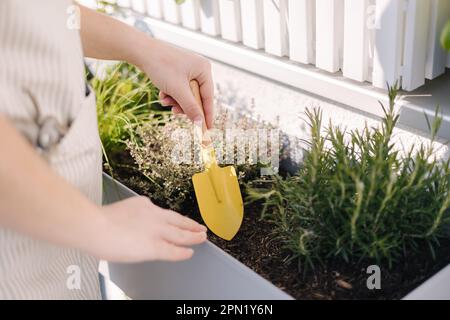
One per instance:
[(212, 273), (436, 288)]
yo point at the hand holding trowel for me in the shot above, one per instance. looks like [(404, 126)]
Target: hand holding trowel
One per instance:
[(217, 189)]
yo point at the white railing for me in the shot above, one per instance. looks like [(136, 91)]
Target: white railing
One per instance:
[(376, 41)]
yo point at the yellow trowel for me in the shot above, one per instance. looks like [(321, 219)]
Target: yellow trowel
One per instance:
[(217, 189)]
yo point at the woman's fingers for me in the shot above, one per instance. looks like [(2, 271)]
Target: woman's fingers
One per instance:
[(182, 237), (170, 252), (177, 109), (162, 95), (168, 101), (207, 93), (186, 100), (183, 222)]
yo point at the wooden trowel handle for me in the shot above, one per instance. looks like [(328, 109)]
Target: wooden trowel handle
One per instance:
[(195, 88)]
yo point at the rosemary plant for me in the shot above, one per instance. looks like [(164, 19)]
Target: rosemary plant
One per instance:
[(126, 99), (357, 198)]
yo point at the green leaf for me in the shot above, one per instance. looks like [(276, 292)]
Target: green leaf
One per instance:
[(445, 37)]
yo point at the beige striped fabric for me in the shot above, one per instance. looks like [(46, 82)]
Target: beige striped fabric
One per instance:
[(42, 91)]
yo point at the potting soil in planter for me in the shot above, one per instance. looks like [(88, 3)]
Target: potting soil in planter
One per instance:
[(257, 247)]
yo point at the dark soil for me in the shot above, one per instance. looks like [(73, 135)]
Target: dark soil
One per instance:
[(255, 246)]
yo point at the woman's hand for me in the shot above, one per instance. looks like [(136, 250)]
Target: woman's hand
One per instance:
[(131, 230), (136, 230), (171, 69)]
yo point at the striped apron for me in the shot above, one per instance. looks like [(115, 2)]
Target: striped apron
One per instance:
[(43, 93)]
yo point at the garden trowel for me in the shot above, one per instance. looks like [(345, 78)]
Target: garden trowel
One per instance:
[(217, 189)]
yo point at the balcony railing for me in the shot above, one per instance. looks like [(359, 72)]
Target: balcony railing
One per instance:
[(375, 41), (343, 50)]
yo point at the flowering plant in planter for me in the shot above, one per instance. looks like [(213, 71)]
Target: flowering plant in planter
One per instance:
[(167, 179)]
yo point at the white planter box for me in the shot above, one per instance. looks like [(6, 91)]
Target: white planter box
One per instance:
[(436, 288), (210, 274), (213, 274), (252, 23), (190, 14), (210, 17), (230, 20)]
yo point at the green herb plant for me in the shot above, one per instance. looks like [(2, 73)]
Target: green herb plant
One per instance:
[(445, 36), (126, 99), (355, 198), (168, 183)]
